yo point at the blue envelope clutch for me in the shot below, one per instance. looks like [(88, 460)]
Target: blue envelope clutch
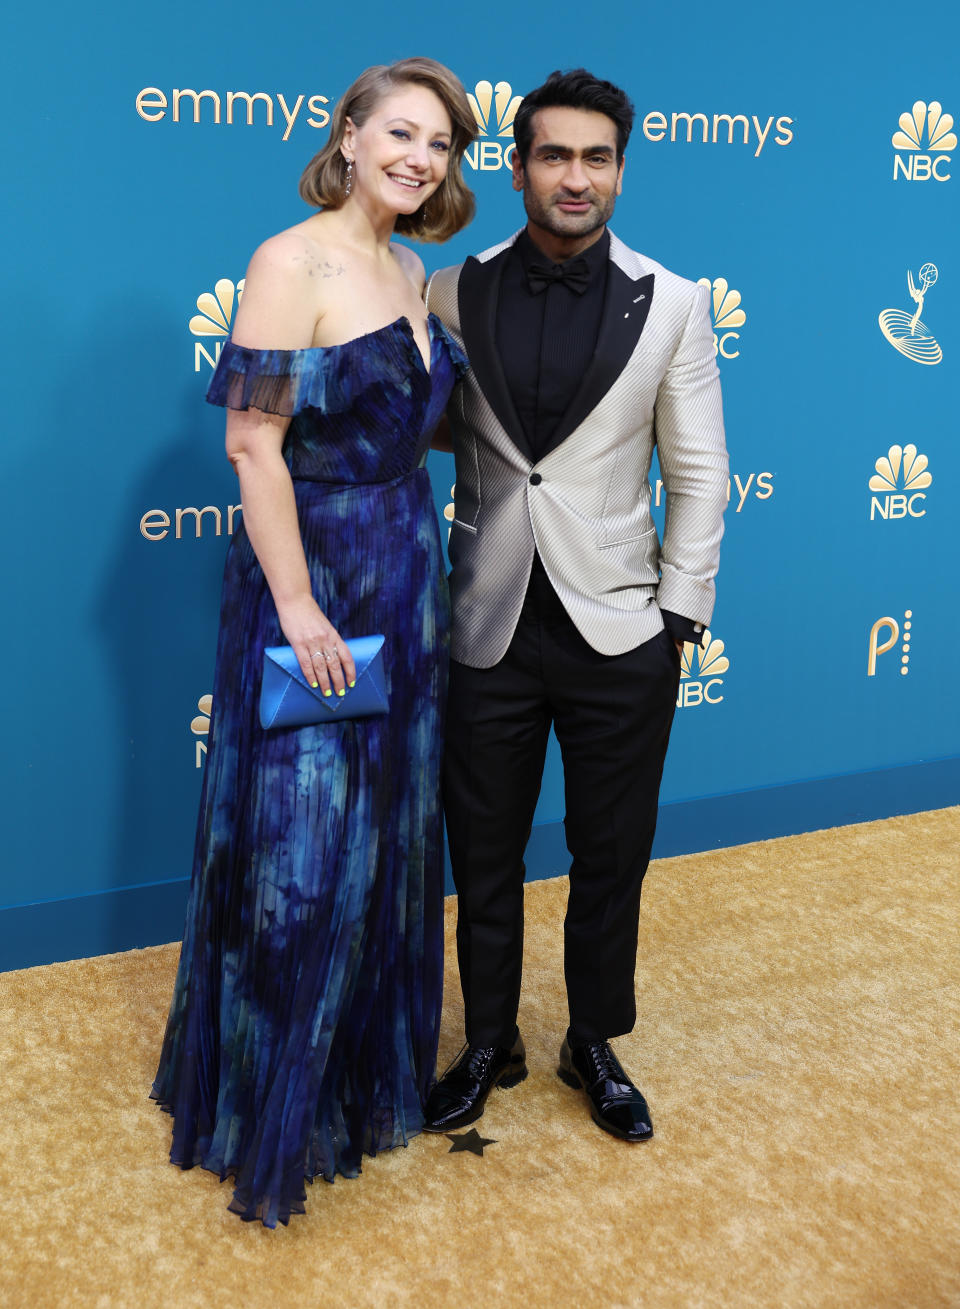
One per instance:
[(288, 700)]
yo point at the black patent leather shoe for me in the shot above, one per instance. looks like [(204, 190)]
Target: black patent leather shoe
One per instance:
[(615, 1103), (461, 1093)]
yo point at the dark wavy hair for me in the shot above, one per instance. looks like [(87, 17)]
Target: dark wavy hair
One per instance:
[(577, 89), (451, 206)]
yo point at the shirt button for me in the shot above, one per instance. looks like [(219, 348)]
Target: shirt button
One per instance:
[(535, 479)]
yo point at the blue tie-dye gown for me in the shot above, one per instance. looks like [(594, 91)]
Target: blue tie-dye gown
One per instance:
[(303, 1028)]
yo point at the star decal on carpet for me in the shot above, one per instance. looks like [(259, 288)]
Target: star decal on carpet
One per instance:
[(471, 1141)]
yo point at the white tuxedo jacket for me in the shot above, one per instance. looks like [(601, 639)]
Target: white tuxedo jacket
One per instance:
[(585, 503)]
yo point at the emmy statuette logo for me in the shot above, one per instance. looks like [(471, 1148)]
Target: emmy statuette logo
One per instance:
[(214, 319), (906, 332), (701, 669), (200, 727), (899, 483), (885, 633), (494, 109), (727, 315), (925, 133)]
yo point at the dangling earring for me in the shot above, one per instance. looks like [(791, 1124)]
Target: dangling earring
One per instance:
[(348, 187)]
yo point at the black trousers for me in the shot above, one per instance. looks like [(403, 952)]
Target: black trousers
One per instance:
[(612, 717)]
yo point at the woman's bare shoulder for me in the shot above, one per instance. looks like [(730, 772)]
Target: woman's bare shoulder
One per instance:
[(298, 253), (286, 291)]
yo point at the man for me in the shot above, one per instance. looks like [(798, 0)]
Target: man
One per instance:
[(567, 610)]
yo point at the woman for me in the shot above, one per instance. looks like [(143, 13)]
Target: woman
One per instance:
[(303, 1028)]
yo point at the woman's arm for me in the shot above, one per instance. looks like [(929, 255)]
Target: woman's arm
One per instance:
[(279, 310)]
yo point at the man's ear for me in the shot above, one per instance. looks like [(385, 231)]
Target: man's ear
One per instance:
[(517, 167), (620, 176)]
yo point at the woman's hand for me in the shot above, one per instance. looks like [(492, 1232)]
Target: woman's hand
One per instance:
[(321, 652)]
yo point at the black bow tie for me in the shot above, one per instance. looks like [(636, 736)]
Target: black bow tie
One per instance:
[(575, 274)]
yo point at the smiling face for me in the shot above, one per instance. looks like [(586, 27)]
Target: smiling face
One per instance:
[(400, 153), (571, 178)]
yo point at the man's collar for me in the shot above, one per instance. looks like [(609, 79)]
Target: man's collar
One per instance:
[(595, 256)]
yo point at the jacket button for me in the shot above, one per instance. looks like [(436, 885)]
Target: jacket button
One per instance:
[(535, 479)]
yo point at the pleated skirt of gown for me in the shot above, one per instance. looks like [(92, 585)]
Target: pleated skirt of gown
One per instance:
[(303, 1029)]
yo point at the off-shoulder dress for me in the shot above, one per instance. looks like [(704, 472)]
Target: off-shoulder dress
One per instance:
[(303, 1028)]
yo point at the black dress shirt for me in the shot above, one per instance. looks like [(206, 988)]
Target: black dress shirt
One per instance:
[(546, 338)]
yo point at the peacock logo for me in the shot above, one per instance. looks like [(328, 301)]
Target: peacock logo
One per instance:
[(925, 134), (449, 510), (925, 117), (727, 316), (214, 319), (899, 483), (494, 109), (501, 100), (901, 468), (200, 727), (701, 672)]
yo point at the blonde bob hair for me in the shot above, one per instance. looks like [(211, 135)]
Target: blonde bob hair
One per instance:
[(451, 206)]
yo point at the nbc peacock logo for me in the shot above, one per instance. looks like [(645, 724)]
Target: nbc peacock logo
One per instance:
[(449, 510), (701, 672), (200, 727), (727, 316), (899, 483), (925, 134), (214, 320), (494, 108)]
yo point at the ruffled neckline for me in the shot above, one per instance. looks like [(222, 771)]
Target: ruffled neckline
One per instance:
[(402, 324), (328, 377)]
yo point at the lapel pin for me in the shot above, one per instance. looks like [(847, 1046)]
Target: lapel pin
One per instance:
[(639, 298)]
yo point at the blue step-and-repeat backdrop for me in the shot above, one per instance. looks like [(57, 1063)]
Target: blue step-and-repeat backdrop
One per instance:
[(802, 162)]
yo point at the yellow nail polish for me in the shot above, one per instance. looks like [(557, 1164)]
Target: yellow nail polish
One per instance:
[(353, 684), (327, 691), (314, 685), (341, 693)]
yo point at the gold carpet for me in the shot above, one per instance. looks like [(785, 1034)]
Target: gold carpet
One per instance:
[(798, 1044)]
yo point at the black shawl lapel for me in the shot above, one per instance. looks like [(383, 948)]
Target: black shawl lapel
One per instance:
[(625, 308), (477, 293)]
